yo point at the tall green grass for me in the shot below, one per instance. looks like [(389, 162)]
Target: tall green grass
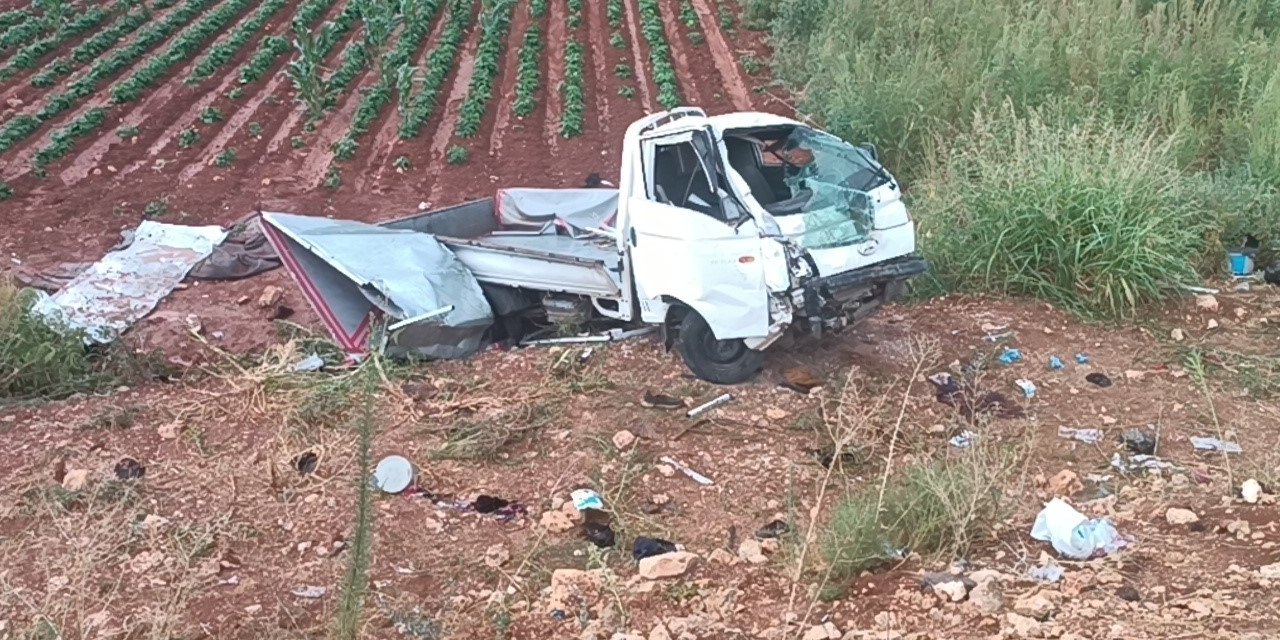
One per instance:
[(1087, 152), (35, 360)]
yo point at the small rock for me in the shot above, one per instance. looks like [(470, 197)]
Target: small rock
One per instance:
[(720, 556), (1177, 335), (1270, 572), (574, 589), (659, 632), (1034, 606), (1065, 483), (1251, 491), (309, 592), (75, 480), (826, 631), (774, 413), (1128, 594), (954, 590), (1134, 374), (623, 439), (496, 556), (666, 470), (667, 565), (1024, 627), (270, 296), (660, 499), (987, 597), (168, 431), (253, 608), (14, 103), (1177, 516), (1207, 302), (750, 551), (556, 521), (1211, 324)]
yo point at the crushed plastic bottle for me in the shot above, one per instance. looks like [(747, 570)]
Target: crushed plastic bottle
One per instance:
[(1074, 535)]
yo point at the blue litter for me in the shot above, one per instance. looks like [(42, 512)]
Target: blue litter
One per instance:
[(1082, 358), (1056, 363), (1028, 387), (1011, 356)]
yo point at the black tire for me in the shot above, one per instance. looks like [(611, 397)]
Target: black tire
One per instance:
[(717, 361)]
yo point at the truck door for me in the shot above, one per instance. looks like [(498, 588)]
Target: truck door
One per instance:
[(690, 239)]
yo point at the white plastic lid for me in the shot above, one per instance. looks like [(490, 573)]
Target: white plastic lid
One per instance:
[(393, 475)]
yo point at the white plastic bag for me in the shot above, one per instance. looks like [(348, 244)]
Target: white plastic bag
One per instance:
[(1074, 535)]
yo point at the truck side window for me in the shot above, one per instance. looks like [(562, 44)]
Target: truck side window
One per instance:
[(680, 179)]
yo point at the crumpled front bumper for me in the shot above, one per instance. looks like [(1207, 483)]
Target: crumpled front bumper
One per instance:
[(817, 291)]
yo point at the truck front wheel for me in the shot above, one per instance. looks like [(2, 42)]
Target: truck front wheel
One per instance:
[(713, 360)]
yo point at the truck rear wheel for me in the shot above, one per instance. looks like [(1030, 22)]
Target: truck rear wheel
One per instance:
[(713, 360)]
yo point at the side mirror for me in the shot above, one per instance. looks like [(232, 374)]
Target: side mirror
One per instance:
[(872, 151)]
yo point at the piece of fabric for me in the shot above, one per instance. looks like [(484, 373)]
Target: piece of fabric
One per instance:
[(244, 253)]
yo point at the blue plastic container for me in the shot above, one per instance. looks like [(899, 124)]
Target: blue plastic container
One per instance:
[(1241, 263)]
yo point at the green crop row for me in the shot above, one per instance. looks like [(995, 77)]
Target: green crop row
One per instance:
[(354, 59), (529, 73), (273, 47), (28, 56), (688, 16), (439, 64), (222, 52), (614, 12), (184, 47), (21, 127), (417, 26), (538, 8), (573, 90), (64, 139), (664, 74), (575, 13), (11, 18), (488, 61), (94, 47), (22, 32)]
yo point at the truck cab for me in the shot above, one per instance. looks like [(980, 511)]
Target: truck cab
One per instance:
[(733, 228)]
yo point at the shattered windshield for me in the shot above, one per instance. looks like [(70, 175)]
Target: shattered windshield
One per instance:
[(830, 178)]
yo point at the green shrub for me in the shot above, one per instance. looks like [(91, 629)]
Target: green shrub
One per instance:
[(1094, 217), (35, 360), (456, 155)]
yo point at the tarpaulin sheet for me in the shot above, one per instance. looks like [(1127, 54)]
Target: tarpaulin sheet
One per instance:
[(126, 284), (574, 210), (349, 270)]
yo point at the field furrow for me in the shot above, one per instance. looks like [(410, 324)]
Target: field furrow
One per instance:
[(437, 154), (724, 57), (680, 52), (633, 41), (557, 46), (521, 74)]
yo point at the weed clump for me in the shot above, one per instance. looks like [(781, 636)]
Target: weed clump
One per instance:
[(38, 361)]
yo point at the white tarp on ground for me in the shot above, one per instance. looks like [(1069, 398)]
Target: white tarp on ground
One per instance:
[(126, 284), (574, 210), (351, 270)]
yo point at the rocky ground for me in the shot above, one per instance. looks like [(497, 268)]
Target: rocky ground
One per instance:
[(243, 523)]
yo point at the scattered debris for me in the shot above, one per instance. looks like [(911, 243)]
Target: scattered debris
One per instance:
[(129, 469), (1056, 363), (775, 529), (648, 547), (1082, 358), (489, 504), (1215, 444), (306, 462), (600, 534), (309, 364), (964, 440), (1074, 535), (584, 499), (1098, 379), (1049, 573), (1010, 356), (800, 380), (1138, 462), (707, 406), (1251, 491), (1177, 516), (661, 401), (1087, 436), (1028, 387), (393, 474), (310, 593), (612, 335), (1139, 442), (950, 394), (694, 475), (126, 284)]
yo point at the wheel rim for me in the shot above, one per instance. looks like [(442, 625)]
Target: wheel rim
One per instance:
[(722, 351)]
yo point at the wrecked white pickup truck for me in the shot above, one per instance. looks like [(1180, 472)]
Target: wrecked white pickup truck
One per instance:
[(725, 231)]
